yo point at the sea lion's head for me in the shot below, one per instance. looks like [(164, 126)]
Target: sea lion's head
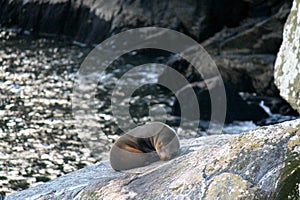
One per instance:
[(166, 143)]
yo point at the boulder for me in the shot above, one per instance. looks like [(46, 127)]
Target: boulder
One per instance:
[(259, 164), (287, 66)]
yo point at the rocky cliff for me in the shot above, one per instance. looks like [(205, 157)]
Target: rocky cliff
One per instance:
[(92, 21)]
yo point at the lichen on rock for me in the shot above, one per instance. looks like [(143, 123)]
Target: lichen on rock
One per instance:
[(287, 66)]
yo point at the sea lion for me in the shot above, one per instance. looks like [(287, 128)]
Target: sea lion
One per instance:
[(144, 145)]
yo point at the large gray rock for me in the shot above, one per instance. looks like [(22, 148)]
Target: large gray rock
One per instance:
[(259, 164), (287, 67)]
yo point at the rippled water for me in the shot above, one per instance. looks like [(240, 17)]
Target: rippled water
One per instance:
[(38, 139)]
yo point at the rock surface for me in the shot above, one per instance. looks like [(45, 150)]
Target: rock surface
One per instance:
[(287, 67), (93, 21), (237, 109), (259, 164)]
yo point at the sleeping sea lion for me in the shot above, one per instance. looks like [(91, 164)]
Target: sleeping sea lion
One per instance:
[(144, 145)]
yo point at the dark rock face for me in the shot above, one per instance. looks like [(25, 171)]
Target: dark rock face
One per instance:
[(93, 21), (237, 108), (74, 19), (259, 35), (249, 73)]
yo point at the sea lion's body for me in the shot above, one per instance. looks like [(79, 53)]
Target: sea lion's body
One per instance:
[(144, 145)]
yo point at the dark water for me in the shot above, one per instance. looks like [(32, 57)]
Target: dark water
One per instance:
[(38, 140)]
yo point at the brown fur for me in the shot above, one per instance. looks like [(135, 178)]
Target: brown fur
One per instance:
[(144, 145)]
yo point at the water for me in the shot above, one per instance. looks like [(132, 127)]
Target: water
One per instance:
[(38, 141), (38, 138)]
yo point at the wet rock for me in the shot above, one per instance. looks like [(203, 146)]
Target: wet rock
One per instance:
[(93, 21), (42, 179), (259, 164), (275, 104), (249, 73), (287, 67), (237, 108), (16, 184)]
